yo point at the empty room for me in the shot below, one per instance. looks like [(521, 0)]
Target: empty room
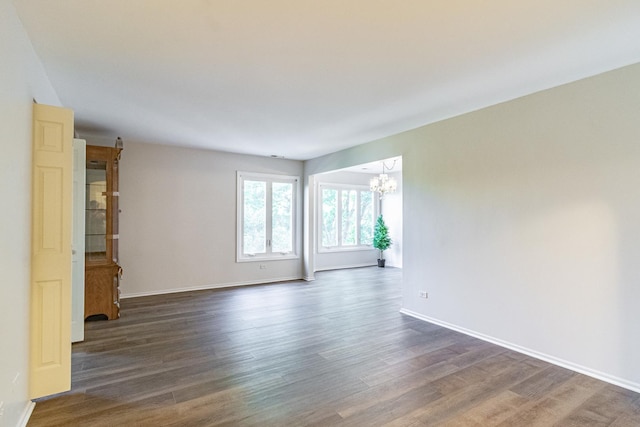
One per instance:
[(349, 213)]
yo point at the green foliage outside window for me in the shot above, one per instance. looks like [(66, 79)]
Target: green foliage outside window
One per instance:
[(267, 222), (282, 217), (255, 214), (329, 220), (347, 217)]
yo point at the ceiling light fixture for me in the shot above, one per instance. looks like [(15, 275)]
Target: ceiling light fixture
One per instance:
[(382, 183)]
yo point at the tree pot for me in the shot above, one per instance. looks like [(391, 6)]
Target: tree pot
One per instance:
[(381, 263)]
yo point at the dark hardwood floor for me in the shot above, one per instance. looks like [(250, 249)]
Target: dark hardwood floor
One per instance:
[(331, 352)]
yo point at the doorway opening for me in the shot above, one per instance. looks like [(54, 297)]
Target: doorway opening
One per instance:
[(345, 210)]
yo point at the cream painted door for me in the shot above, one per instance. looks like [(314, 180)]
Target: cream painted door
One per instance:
[(52, 202), (77, 245)]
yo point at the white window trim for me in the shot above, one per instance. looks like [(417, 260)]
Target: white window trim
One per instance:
[(350, 248), (268, 256)]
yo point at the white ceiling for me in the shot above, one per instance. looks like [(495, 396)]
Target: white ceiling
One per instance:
[(392, 165), (300, 79)]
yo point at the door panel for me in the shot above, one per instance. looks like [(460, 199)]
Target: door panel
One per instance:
[(77, 246), (50, 352)]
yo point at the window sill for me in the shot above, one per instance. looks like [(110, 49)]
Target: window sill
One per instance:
[(324, 250), (262, 258)]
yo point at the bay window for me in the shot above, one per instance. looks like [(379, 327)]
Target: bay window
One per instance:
[(346, 217)]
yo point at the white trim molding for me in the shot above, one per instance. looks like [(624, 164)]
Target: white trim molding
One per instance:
[(210, 286), (547, 358), (344, 266), (268, 253), (26, 414)]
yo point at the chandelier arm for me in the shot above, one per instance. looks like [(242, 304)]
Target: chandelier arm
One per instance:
[(388, 168)]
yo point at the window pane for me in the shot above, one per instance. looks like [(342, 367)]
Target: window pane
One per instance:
[(255, 213), (366, 218), (282, 217), (349, 217), (329, 213)]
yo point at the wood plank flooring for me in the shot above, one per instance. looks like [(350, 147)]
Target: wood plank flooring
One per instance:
[(334, 352)]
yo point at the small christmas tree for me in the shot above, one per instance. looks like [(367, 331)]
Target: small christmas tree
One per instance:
[(381, 239)]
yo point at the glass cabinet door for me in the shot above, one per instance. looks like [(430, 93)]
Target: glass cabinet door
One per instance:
[(96, 211), (102, 271)]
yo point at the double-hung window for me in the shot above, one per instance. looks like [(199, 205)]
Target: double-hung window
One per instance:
[(347, 217), (266, 216)]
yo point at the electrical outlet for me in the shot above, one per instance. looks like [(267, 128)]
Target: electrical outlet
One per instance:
[(424, 294), (263, 266)]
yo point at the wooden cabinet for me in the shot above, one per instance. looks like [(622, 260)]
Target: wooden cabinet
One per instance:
[(102, 270)]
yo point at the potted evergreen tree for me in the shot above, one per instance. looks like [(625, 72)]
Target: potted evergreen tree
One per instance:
[(381, 239)]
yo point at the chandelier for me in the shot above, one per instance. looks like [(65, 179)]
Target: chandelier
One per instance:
[(382, 183)]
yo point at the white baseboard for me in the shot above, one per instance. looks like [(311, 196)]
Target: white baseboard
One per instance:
[(26, 414), (344, 267), (630, 385), (205, 287)]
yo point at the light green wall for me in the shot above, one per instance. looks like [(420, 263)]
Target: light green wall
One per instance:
[(22, 79), (522, 222)]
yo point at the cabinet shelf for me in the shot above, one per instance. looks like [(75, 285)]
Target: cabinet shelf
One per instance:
[(102, 271)]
